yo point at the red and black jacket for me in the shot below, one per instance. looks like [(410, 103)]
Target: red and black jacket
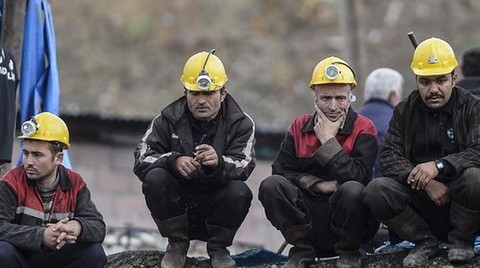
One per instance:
[(22, 211), (349, 156)]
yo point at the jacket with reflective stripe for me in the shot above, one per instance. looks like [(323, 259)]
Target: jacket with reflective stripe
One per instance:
[(22, 211)]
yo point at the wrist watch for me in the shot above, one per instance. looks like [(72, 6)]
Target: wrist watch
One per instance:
[(440, 166)]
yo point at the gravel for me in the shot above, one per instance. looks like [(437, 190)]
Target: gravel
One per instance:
[(152, 258)]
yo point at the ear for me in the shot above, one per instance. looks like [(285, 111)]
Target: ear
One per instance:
[(223, 94), (454, 78), (58, 158)]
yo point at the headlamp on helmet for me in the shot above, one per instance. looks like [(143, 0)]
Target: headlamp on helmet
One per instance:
[(203, 80), (30, 127)]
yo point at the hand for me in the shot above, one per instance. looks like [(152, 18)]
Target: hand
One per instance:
[(422, 174), (438, 192), (206, 155), (67, 230), (325, 187), (187, 167), (324, 128)]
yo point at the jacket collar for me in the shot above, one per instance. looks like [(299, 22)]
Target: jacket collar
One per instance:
[(64, 180)]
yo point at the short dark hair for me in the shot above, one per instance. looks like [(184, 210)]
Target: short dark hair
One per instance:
[(471, 62), (56, 147)]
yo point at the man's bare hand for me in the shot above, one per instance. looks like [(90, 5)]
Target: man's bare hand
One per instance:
[(324, 128), (63, 232), (438, 192), (325, 187), (422, 174), (206, 155), (187, 167)]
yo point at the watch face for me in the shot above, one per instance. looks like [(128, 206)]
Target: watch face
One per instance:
[(439, 164)]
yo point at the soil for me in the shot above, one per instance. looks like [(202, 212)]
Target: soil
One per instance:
[(152, 258)]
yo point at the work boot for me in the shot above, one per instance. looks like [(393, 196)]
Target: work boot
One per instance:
[(220, 239), (465, 224), (302, 253), (176, 230), (347, 248), (410, 226)]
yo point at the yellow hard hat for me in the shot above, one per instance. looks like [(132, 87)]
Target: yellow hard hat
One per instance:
[(433, 57), (46, 126), (333, 70), (204, 72)]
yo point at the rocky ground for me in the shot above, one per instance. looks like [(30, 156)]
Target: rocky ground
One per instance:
[(152, 258)]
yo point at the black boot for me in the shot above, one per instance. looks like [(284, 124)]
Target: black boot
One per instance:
[(347, 248), (220, 239), (410, 226), (465, 224), (176, 230), (302, 253)]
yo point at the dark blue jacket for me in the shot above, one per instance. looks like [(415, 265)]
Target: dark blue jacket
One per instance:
[(380, 112)]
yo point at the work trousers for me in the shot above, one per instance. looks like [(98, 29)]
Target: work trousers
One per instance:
[(168, 196), (79, 255), (286, 206), (388, 197)]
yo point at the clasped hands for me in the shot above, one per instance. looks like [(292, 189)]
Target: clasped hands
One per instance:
[(189, 167), (58, 234)]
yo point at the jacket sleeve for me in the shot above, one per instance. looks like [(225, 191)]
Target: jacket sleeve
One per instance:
[(238, 159), (286, 163), (22, 236), (358, 166), (154, 149), (93, 226), (393, 160), (470, 153)]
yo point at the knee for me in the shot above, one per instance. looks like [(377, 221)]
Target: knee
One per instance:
[(7, 253), (156, 179), (95, 255), (270, 185), (471, 178), (239, 192), (371, 192), (351, 189)]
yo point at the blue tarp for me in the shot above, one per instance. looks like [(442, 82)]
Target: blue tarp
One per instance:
[(39, 84)]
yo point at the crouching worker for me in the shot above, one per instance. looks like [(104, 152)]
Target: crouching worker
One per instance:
[(430, 161), (47, 218), (324, 163), (193, 161)]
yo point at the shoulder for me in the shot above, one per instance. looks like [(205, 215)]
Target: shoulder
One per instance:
[(299, 123), (15, 177), (75, 178), (365, 125)]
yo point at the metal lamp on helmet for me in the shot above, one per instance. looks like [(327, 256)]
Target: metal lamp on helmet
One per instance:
[(46, 126), (204, 72)]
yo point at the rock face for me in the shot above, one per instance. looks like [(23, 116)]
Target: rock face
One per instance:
[(152, 258)]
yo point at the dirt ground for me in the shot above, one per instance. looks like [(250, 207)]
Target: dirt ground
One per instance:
[(152, 258)]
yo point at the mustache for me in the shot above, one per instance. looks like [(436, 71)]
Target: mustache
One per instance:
[(434, 95)]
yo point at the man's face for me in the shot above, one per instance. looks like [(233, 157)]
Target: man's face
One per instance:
[(39, 162), (435, 91), (205, 105), (333, 99)]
